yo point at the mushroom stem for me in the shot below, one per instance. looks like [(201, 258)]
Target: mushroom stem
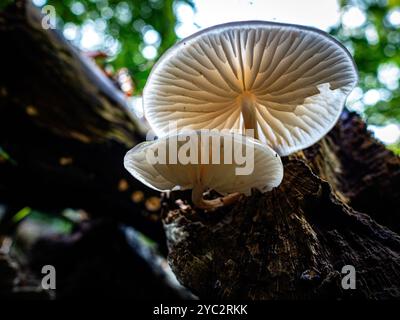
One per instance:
[(248, 106), (200, 202)]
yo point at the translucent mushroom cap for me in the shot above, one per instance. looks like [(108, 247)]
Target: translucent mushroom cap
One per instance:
[(224, 162), (287, 82)]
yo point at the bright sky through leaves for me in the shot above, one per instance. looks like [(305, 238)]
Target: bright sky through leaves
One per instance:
[(135, 33)]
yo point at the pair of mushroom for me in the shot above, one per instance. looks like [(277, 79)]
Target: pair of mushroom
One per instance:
[(286, 83)]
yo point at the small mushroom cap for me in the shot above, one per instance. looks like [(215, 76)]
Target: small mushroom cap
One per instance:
[(295, 79), (262, 168)]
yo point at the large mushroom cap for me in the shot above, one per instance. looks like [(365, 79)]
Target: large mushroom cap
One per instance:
[(286, 81), (264, 172)]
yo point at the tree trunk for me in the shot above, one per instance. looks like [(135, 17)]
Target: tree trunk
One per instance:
[(337, 206), (64, 130)]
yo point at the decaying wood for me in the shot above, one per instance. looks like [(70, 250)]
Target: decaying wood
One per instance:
[(65, 130), (366, 173), (293, 242)]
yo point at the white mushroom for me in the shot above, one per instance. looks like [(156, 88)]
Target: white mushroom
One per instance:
[(228, 163), (287, 82)]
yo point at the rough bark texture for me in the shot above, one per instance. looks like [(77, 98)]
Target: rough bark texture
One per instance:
[(293, 242), (65, 130)]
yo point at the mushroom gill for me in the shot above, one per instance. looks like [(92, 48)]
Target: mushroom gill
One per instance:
[(228, 163), (287, 83)]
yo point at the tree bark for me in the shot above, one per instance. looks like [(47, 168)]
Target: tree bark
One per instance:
[(293, 242), (337, 204)]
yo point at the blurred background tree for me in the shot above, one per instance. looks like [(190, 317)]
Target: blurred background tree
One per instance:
[(370, 30), (134, 33), (131, 33)]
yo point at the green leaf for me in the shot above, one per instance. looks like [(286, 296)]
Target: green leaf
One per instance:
[(21, 214)]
